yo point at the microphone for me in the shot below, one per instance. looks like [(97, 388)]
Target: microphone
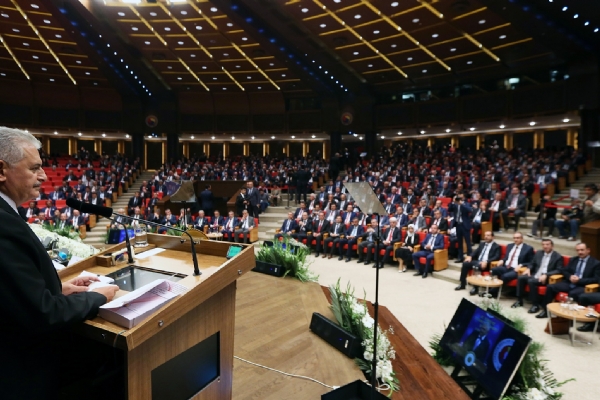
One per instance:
[(108, 213)]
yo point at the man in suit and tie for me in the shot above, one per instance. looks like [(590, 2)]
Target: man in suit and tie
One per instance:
[(545, 263), (289, 226), (349, 215), (495, 206), (201, 221), (245, 225), (440, 221), (168, 220), (516, 204), (487, 252), (253, 199), (76, 220), (390, 236), (216, 221), (298, 213), (135, 201), (333, 213), (336, 230), (390, 208), (462, 221), (229, 226), (320, 226), (48, 210), (433, 241), (57, 194), (207, 200), (401, 218), (581, 271), (518, 255), (478, 341), (353, 232), (304, 226), (368, 242)]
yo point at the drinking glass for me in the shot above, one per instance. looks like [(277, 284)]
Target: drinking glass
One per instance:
[(141, 236)]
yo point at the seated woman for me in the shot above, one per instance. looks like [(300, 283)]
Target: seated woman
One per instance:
[(404, 253)]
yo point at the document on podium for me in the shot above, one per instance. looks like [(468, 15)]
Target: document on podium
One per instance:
[(132, 308)]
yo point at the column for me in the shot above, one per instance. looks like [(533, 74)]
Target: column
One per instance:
[(98, 146), (286, 149), (121, 146), (305, 149), (164, 147), (538, 139), (46, 144), (72, 146), (326, 150), (480, 141), (266, 148), (246, 148), (454, 142), (508, 141), (225, 149), (186, 149), (206, 149), (430, 142)]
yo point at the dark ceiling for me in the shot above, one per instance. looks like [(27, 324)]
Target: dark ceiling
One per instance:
[(295, 46)]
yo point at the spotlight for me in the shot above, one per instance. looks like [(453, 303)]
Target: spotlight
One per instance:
[(566, 120), (212, 137), (447, 130), (422, 132), (79, 134), (272, 137), (293, 137), (472, 128), (399, 133), (191, 137), (532, 123), (126, 136), (502, 126)]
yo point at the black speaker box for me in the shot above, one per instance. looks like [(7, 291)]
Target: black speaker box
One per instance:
[(356, 390), (333, 334), (269, 269)]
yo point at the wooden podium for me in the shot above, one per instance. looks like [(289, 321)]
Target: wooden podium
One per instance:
[(590, 235), (207, 308)]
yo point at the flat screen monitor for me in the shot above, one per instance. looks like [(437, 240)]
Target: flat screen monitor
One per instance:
[(118, 235), (488, 347), (133, 277), (233, 251)]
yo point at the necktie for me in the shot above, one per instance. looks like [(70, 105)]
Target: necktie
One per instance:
[(430, 244), (354, 231), (287, 226), (458, 216), (544, 267), (337, 226), (47, 212), (483, 252), (320, 225), (514, 202), (389, 238), (495, 205), (347, 218), (229, 223), (512, 257), (579, 267)]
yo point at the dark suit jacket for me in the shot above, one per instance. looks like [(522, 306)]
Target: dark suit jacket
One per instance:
[(442, 226), (359, 231), (293, 225), (35, 314), (554, 265), (253, 197), (207, 200), (591, 273), (396, 235), (520, 202), (525, 256), (341, 228), (481, 350), (324, 228), (465, 210), (493, 253), (438, 243)]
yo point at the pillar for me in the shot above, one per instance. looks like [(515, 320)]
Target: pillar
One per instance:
[(326, 150), (164, 148), (98, 146), (225, 149), (508, 141), (538, 139), (172, 147), (186, 149), (206, 149), (305, 149), (72, 146), (246, 148), (430, 142), (571, 134), (121, 146), (479, 142), (266, 149), (454, 141), (286, 149), (46, 144)]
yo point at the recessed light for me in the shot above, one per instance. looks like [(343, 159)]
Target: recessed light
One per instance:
[(87, 73), (224, 88), (304, 10), (180, 43), (502, 37), (16, 30), (192, 55), (233, 138), (35, 6), (104, 135), (566, 120), (225, 54), (422, 132), (532, 123), (248, 77), (78, 61), (259, 88), (167, 28), (212, 137), (435, 35), (576, 16), (191, 137), (244, 39), (198, 27), (252, 137), (313, 136), (146, 43), (453, 49), (79, 134), (416, 20), (502, 126), (204, 67), (447, 130), (168, 67), (394, 4), (383, 137), (355, 53), (58, 36), (134, 28), (424, 71), (179, 78), (153, 14), (35, 57), (409, 59), (25, 44), (376, 32), (322, 25), (469, 62), (214, 78), (357, 16), (293, 137), (56, 133), (213, 9), (44, 69), (370, 65), (273, 137), (51, 79), (229, 24), (482, 21), (472, 128), (393, 46), (399, 133)]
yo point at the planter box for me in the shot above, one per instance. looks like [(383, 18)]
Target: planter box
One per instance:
[(356, 390), (269, 269)]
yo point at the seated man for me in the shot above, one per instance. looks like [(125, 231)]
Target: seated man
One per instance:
[(570, 218), (439, 220), (515, 203), (289, 226), (136, 217), (368, 242), (119, 221), (201, 221), (304, 226), (545, 263), (229, 226), (48, 210), (433, 241), (586, 300), (245, 225), (518, 254), (168, 220), (481, 258), (41, 219), (353, 232), (390, 236), (77, 220), (185, 218), (320, 226), (547, 214), (216, 222), (581, 270), (336, 230)]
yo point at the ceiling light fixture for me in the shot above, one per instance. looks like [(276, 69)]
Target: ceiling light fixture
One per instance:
[(272, 137), (127, 136), (532, 123), (191, 137), (104, 135), (566, 120), (472, 128), (447, 130), (502, 126), (399, 133)]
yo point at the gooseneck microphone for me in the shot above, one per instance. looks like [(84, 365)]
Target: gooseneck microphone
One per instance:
[(108, 213)]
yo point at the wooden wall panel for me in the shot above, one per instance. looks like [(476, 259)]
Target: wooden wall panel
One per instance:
[(196, 103), (53, 96), (231, 103), (266, 103)]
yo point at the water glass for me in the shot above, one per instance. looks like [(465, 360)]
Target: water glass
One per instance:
[(141, 236)]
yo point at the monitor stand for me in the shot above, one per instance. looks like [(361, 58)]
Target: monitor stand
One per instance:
[(466, 382)]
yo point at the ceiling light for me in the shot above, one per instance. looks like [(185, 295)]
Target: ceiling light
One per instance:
[(214, 78), (469, 62), (25, 44), (204, 67), (304, 10), (576, 16), (322, 25), (313, 136), (360, 138), (259, 88), (399, 133), (357, 16), (283, 75), (35, 6), (453, 49), (146, 43), (167, 28), (502, 37), (134, 28), (422, 132), (79, 134), (213, 9), (198, 27), (168, 67), (35, 57), (149, 136), (229, 24), (56, 133), (383, 137), (271, 64), (532, 123), (424, 71), (293, 137), (409, 58), (104, 135), (272, 137), (565, 8), (225, 54), (481, 22), (566, 120), (252, 137), (51, 79), (370, 65), (376, 32), (416, 20), (224, 88), (183, 12), (78, 61), (586, 23), (179, 78), (244, 39), (395, 4), (435, 35), (16, 30), (153, 14), (471, 128), (233, 138), (393, 46), (192, 55), (127, 136), (447, 130), (87, 73), (191, 137), (596, 30), (44, 69), (502, 126), (180, 43), (355, 53)]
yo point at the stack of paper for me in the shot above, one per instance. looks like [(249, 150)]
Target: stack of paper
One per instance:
[(132, 308), (104, 280)]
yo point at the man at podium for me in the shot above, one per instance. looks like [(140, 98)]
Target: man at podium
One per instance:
[(36, 308)]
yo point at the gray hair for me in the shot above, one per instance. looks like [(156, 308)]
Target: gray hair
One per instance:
[(12, 141)]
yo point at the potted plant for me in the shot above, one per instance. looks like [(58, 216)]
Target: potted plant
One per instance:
[(287, 257)]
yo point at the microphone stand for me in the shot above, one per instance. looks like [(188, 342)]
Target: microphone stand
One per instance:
[(193, 243), (127, 242), (376, 307)]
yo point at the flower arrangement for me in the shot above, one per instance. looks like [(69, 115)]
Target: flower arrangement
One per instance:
[(352, 315), (69, 241), (291, 255), (537, 382)]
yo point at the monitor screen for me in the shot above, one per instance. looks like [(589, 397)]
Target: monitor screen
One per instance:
[(233, 251), (118, 235), (488, 347)]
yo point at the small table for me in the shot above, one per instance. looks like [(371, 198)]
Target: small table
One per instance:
[(215, 236), (577, 315), (487, 282)]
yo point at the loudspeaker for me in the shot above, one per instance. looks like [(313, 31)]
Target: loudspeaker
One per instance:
[(356, 390), (269, 269), (333, 334)]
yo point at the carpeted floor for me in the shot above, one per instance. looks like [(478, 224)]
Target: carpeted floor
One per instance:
[(425, 306)]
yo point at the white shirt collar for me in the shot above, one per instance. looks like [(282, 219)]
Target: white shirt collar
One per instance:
[(9, 201)]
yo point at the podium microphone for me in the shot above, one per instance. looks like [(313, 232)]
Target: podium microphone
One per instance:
[(108, 213)]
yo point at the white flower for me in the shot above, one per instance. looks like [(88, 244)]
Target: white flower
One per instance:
[(74, 246)]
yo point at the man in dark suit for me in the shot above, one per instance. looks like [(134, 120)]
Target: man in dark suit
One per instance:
[(487, 252), (207, 200), (229, 226), (320, 226), (433, 241), (518, 254), (253, 199), (216, 221), (368, 242), (37, 310), (478, 342), (168, 220), (353, 232), (298, 213), (304, 226), (302, 178), (288, 226), (439, 220), (545, 263), (336, 230), (581, 271), (462, 221), (516, 204), (495, 207), (390, 236), (135, 201), (201, 221)]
